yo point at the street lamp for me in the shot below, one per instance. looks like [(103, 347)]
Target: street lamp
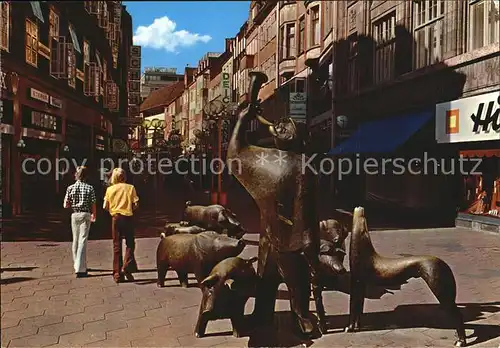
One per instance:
[(216, 111), (21, 144)]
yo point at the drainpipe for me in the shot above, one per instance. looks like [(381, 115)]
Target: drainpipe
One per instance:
[(333, 77), (277, 54)]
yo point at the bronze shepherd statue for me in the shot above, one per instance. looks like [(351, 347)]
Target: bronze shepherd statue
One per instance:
[(368, 267), (284, 193)]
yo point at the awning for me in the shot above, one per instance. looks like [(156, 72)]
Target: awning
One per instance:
[(383, 136), (37, 10), (480, 153), (74, 38)]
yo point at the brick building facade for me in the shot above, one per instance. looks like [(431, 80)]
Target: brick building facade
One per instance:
[(63, 68)]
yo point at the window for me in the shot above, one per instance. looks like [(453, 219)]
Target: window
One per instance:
[(99, 90), (428, 32), (86, 52), (384, 33), (5, 25), (327, 17), (31, 43), (269, 67), (105, 70), (74, 38), (288, 41), (302, 35), (352, 73), (315, 28), (268, 29), (53, 24), (298, 86), (484, 24)]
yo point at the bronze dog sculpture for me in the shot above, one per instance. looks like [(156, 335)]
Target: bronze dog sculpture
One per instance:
[(333, 275), (178, 227), (367, 267), (214, 217), (194, 253), (225, 293), (285, 197)]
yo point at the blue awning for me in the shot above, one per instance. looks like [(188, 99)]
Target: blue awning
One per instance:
[(383, 136)]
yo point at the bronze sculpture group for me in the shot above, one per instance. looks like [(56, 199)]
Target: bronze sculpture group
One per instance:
[(294, 246)]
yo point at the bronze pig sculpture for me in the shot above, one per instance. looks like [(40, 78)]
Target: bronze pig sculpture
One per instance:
[(289, 239), (225, 292), (214, 217), (178, 227), (368, 267), (194, 253)]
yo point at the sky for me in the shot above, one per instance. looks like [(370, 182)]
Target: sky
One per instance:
[(176, 33)]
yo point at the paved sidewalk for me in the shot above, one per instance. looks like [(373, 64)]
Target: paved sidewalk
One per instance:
[(42, 304)]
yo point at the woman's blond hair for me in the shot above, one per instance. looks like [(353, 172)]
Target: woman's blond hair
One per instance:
[(118, 176)]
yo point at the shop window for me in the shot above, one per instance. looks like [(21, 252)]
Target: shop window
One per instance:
[(40, 120), (481, 193), (287, 47), (5, 25), (484, 23), (384, 33), (429, 15), (315, 27), (31, 43)]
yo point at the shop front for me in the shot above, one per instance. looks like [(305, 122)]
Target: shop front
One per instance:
[(388, 165), (8, 85), (471, 127)]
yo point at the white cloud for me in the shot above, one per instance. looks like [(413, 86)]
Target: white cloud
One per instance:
[(161, 34)]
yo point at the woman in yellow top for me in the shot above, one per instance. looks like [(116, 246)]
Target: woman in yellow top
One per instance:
[(121, 200)]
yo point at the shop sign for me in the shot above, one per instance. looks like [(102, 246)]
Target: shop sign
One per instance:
[(469, 119), (3, 77), (100, 143), (130, 121), (134, 87), (298, 106), (134, 74), (111, 100), (134, 98), (56, 102), (38, 95), (34, 133), (135, 51), (226, 88), (133, 110), (6, 128), (135, 62), (120, 146)]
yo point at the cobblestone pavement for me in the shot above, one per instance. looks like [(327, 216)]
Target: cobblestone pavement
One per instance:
[(42, 304)]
